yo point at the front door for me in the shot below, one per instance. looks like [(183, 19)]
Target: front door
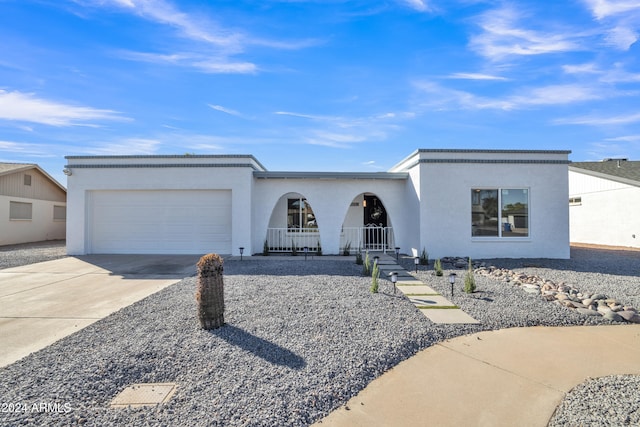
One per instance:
[(375, 223)]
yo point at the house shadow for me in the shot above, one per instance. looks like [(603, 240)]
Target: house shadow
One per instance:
[(266, 350)]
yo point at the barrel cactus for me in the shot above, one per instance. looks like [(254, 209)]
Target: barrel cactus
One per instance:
[(210, 292)]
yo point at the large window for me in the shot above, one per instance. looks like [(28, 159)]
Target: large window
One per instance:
[(500, 212), (300, 215), (20, 210)]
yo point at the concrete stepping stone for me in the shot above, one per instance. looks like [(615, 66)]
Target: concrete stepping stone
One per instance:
[(448, 316), (417, 289), (431, 301)]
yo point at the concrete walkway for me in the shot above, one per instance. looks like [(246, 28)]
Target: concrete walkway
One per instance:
[(44, 302), (432, 304), (498, 378)]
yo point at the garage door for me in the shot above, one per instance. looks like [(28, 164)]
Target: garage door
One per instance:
[(154, 222)]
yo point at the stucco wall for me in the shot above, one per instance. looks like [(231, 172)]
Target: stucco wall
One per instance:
[(330, 200), (41, 227), (237, 179), (608, 212), (445, 207)]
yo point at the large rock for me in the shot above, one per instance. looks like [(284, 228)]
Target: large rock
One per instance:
[(587, 312), (612, 315), (630, 316)]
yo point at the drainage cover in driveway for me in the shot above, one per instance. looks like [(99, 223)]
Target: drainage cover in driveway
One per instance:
[(144, 395)]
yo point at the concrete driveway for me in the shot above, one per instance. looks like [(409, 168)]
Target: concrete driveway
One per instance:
[(43, 302)]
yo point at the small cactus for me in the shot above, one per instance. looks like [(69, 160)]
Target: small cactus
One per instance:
[(375, 274), (210, 291), (437, 266)]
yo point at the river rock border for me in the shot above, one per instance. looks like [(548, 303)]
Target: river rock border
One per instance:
[(566, 295)]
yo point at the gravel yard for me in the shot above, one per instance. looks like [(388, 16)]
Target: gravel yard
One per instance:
[(301, 339)]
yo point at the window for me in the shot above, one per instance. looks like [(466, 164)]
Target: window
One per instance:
[(500, 212), (575, 201), (20, 210), (59, 213), (300, 215), (27, 179)]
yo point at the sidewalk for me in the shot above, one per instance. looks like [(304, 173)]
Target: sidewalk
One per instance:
[(497, 378)]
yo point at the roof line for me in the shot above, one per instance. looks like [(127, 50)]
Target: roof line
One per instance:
[(331, 175), (172, 156), (28, 166), (603, 175)]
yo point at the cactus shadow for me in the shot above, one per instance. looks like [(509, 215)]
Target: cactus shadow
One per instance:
[(264, 349)]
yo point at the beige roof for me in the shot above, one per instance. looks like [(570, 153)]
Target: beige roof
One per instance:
[(9, 168)]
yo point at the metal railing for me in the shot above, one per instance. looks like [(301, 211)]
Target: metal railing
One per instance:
[(363, 238), (284, 239), (367, 238)]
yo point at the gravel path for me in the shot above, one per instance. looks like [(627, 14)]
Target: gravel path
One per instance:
[(301, 339)]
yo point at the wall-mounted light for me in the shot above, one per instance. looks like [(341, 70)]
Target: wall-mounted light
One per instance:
[(364, 203), (67, 171)]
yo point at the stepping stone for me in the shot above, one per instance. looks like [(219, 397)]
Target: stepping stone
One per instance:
[(149, 394), (417, 289), (430, 301), (448, 316), (409, 282)]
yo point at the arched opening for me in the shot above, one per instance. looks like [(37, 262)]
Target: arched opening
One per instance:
[(292, 226), (366, 226)]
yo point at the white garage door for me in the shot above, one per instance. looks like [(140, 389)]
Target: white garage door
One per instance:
[(160, 222)]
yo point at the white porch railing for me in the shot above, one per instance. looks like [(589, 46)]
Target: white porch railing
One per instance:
[(283, 239), (363, 238), (367, 238)]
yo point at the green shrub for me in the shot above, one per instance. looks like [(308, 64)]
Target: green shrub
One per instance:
[(375, 274), (294, 249), (437, 266), (366, 267), (265, 248), (424, 257), (469, 280), (346, 251), (359, 258), (318, 249)]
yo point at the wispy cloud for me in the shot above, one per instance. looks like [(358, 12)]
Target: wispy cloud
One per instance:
[(605, 8), (475, 76), (26, 149), (445, 98), (125, 146), (225, 110), (26, 107), (214, 45), (600, 120), (344, 132), (503, 34), (620, 19), (419, 5)]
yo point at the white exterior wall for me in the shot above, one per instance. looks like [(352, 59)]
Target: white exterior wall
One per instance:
[(83, 180), (445, 204), (609, 213), (41, 227), (330, 200)]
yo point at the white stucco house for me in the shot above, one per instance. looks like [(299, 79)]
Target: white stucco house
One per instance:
[(604, 199), (33, 205), (478, 203)]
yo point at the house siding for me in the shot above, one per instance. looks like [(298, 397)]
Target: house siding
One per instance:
[(608, 212)]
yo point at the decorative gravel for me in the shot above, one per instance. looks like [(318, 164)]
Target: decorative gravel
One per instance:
[(301, 339), (29, 253)]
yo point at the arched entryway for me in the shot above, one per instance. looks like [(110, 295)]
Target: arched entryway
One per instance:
[(292, 226), (367, 226)]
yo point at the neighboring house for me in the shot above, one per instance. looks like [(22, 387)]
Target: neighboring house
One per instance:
[(33, 205), (604, 199), (477, 203)]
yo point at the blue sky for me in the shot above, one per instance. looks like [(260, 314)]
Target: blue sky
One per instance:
[(332, 85)]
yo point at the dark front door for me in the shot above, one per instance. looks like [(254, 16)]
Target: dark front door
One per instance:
[(375, 221)]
